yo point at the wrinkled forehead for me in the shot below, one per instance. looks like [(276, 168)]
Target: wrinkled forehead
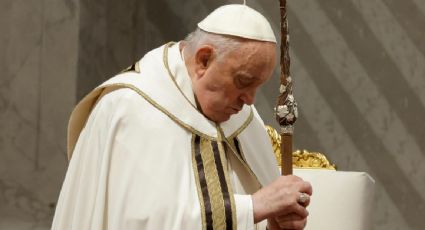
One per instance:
[(256, 53), (256, 47), (252, 61)]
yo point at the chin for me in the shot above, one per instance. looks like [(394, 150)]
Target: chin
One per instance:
[(224, 119), (220, 118)]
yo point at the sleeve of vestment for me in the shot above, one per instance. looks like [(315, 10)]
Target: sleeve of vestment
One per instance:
[(244, 209)]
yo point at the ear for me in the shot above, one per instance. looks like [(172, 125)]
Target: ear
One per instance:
[(203, 57)]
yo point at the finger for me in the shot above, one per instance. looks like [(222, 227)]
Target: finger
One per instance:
[(305, 185), (289, 217), (272, 224), (306, 204), (295, 225), (303, 198), (306, 188), (292, 178), (299, 210), (296, 209), (295, 206)]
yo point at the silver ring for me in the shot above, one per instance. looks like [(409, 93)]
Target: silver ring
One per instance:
[(304, 197)]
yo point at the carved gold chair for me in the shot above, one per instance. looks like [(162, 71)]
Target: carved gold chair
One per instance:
[(341, 200)]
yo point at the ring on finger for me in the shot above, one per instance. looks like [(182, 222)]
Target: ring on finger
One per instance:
[(304, 197)]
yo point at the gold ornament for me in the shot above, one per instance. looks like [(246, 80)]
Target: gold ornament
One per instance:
[(300, 159)]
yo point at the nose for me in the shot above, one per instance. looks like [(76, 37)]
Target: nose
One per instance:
[(248, 97)]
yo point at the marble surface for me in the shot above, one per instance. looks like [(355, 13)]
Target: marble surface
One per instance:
[(37, 92), (358, 66)]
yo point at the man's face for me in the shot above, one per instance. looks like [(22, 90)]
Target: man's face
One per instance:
[(222, 86)]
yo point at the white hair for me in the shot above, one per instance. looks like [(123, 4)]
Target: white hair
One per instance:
[(223, 44)]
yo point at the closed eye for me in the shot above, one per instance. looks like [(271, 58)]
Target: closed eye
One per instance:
[(243, 81)]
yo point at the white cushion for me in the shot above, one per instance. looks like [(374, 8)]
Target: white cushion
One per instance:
[(341, 200)]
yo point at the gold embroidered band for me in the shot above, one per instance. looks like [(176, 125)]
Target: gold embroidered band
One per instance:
[(214, 190)]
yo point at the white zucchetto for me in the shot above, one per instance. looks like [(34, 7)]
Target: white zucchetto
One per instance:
[(238, 20)]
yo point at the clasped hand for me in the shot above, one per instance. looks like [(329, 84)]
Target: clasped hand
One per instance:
[(283, 203)]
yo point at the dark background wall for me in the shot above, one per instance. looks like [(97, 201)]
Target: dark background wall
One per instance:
[(358, 66)]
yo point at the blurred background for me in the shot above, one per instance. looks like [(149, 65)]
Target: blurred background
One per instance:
[(358, 66)]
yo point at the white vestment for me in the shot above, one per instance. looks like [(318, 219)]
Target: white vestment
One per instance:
[(143, 157)]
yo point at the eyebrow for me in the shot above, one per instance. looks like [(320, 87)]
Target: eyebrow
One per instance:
[(244, 79)]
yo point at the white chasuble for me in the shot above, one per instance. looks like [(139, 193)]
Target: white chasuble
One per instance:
[(143, 156)]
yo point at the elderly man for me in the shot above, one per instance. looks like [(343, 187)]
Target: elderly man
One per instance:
[(174, 142)]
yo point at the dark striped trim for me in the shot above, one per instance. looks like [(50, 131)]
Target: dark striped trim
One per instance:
[(224, 189), (238, 148), (210, 164), (203, 183)]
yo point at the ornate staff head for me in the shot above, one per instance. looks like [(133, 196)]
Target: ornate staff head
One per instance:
[(286, 108)]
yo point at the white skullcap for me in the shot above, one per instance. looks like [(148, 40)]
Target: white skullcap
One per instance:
[(238, 20)]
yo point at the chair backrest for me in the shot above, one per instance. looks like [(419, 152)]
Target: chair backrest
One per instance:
[(341, 200)]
